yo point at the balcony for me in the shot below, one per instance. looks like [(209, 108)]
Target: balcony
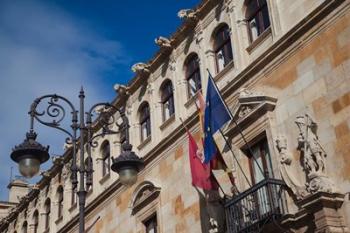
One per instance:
[(256, 207)]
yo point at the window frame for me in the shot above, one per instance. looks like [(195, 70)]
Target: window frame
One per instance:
[(167, 99), (35, 221), (47, 208), (225, 46), (145, 119), (60, 198), (24, 227), (152, 219), (266, 162), (106, 158), (192, 73), (257, 13)]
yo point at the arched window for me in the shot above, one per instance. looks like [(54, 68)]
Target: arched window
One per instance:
[(35, 221), (257, 16), (167, 100), (106, 158), (193, 75), (60, 202), (47, 212), (222, 47), (145, 121), (25, 227)]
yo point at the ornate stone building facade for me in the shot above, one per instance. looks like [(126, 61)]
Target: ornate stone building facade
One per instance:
[(283, 68)]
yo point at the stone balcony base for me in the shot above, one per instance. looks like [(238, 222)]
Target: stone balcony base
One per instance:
[(320, 213)]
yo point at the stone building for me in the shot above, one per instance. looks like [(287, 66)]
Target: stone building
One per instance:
[(283, 68)]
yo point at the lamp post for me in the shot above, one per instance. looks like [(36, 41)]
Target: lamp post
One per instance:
[(30, 154)]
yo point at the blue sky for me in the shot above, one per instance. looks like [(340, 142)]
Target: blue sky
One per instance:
[(57, 46)]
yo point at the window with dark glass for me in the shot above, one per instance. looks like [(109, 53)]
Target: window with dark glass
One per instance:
[(106, 158), (257, 16), (193, 75), (222, 48), (151, 224), (35, 221), (260, 161), (145, 121), (60, 202), (167, 98), (25, 227), (260, 167), (47, 209)]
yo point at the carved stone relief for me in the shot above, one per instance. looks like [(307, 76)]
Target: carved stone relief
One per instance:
[(188, 15), (313, 156), (141, 68), (287, 170), (164, 44), (66, 172), (249, 101), (143, 195)]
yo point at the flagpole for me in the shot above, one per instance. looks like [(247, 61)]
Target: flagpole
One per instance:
[(236, 123), (234, 156)]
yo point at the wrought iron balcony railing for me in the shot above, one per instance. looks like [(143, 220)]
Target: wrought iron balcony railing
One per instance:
[(250, 210)]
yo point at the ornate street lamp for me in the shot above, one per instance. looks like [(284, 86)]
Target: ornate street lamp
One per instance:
[(31, 154)]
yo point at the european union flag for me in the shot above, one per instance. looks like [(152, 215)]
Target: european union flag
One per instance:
[(215, 116)]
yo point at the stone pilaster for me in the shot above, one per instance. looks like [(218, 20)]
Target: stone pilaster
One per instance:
[(326, 210)]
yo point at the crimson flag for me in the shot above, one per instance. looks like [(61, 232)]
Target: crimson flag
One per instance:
[(201, 173)]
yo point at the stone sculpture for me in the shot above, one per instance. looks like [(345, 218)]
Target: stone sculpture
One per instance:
[(163, 42), (140, 68), (286, 169), (313, 156), (187, 14)]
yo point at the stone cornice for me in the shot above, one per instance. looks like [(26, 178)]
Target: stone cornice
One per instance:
[(176, 39)]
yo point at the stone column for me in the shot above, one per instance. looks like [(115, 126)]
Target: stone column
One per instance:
[(327, 212)]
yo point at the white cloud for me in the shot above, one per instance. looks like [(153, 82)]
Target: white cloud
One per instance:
[(44, 50)]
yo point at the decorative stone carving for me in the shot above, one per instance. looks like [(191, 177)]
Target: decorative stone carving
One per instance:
[(198, 37), (66, 146), (141, 69), (245, 92), (188, 15), (172, 64), (249, 101), (57, 160), (46, 174), (121, 90), (164, 44), (313, 156), (244, 111), (66, 172), (143, 194), (286, 169), (149, 89)]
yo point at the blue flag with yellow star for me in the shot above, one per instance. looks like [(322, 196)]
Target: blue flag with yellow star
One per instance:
[(215, 116)]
